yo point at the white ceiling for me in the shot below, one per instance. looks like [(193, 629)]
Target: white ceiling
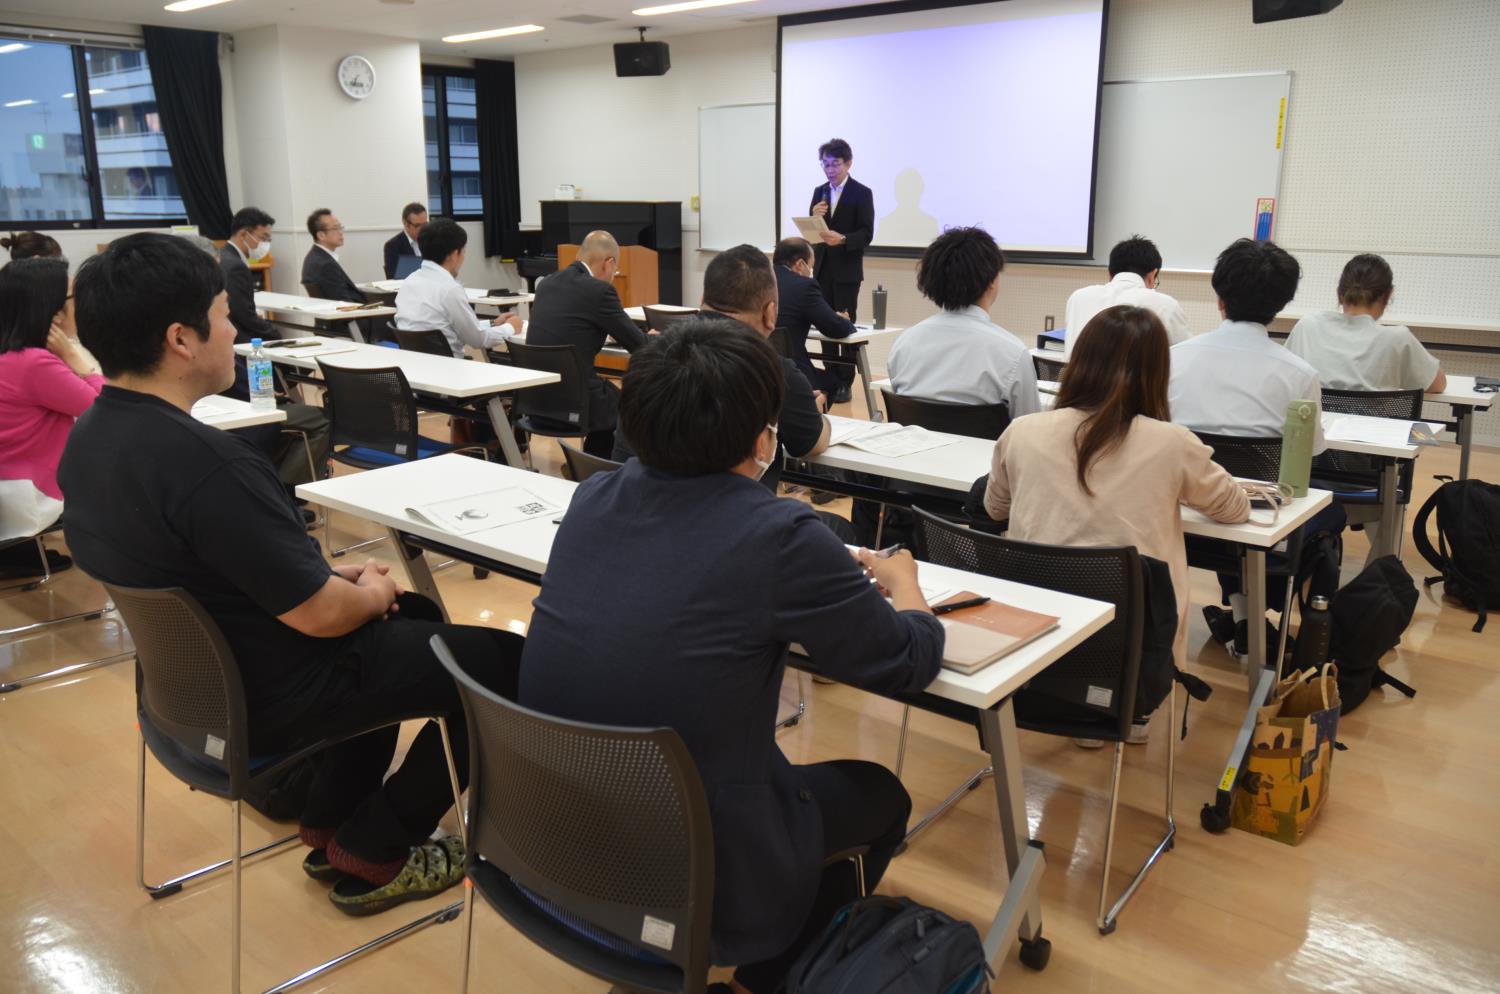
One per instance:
[(427, 21)]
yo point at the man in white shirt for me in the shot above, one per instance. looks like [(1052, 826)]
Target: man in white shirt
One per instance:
[(433, 298), (960, 356), (1135, 274), (1352, 350), (1235, 380)]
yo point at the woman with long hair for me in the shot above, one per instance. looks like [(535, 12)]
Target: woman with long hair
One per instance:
[(1106, 466)]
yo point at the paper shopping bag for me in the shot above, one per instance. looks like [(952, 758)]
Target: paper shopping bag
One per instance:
[(1285, 778)]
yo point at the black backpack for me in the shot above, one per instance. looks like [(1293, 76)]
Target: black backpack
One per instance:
[(1369, 615), (892, 945), (1468, 554)]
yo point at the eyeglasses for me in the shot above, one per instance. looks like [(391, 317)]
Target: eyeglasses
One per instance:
[(333, 227)]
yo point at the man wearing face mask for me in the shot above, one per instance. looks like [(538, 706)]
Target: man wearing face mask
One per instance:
[(250, 241)]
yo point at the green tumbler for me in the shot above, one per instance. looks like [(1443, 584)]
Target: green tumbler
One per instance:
[(1296, 445)]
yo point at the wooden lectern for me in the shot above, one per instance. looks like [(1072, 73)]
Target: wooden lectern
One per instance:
[(636, 282)]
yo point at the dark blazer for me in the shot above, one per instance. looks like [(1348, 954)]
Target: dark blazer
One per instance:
[(723, 575), (327, 278), (854, 218), (239, 282), (573, 308), (395, 248), (802, 308)]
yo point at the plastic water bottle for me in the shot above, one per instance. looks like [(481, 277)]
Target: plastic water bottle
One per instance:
[(879, 299), (262, 386), (1296, 445), (1313, 637)]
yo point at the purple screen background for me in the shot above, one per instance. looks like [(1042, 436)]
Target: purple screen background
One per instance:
[(988, 123)]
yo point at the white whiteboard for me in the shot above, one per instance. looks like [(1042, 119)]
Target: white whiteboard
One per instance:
[(737, 176), (1183, 162)]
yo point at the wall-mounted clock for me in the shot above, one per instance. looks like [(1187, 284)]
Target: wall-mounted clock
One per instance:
[(357, 77)]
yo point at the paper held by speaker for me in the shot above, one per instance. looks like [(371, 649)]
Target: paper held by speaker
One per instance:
[(1283, 10)]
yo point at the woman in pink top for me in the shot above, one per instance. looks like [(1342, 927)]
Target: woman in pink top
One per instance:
[(46, 380), (1106, 466)]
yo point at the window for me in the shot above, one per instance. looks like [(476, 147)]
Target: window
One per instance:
[(54, 172), (451, 123)]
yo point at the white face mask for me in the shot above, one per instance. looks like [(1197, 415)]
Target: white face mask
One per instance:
[(261, 250), (765, 467)]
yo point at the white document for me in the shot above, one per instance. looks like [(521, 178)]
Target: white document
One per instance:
[(811, 228), (842, 429), (215, 408), (901, 442), (389, 286), (308, 351), (1372, 431), (478, 512)]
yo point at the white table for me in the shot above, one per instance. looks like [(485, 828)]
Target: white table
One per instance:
[(320, 309), (227, 413), (1462, 400), (522, 549), (432, 375)]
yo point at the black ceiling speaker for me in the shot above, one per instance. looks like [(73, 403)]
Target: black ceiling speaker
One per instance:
[(1284, 10), (642, 58)]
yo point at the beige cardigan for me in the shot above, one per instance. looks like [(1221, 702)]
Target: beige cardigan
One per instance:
[(1138, 487)]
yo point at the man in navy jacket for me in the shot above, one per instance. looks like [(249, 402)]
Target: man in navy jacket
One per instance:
[(803, 307)]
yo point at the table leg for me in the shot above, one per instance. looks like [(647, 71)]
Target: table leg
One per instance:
[(501, 424), (862, 363), (417, 570), (1254, 587), (1464, 415), (1020, 912), (1390, 529)]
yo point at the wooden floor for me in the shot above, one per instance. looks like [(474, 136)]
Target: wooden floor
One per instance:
[(1396, 890)]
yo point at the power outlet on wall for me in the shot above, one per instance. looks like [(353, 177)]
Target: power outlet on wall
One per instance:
[(695, 203), (1048, 323)]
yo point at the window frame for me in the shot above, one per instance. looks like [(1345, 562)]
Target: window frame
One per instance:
[(440, 76), (95, 174)]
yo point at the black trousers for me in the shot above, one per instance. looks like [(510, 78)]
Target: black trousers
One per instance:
[(600, 443), (862, 804), (386, 669), (842, 297)]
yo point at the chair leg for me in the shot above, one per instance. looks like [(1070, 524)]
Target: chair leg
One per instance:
[(859, 876), (901, 740), (470, 905), (958, 794), (1108, 920), (796, 715), (234, 986)]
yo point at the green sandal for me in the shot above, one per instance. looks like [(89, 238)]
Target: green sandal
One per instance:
[(316, 865), (430, 869)]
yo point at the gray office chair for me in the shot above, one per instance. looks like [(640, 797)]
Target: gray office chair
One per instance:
[(1048, 369), (192, 717), (580, 465), (662, 320), (1061, 699)]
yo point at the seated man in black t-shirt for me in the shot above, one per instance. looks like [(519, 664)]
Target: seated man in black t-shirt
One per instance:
[(158, 499)]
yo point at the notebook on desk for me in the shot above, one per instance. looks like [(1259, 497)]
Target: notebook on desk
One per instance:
[(978, 636)]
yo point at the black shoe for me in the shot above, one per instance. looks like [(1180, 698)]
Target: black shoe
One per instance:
[(21, 561), (1220, 623), (823, 496), (1241, 646), (842, 395), (309, 516)]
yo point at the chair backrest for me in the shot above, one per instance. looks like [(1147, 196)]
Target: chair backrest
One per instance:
[(565, 402), (1351, 469), (370, 409), (190, 685), (429, 341), (1110, 659), (1048, 369), (610, 825), (581, 465), (661, 319), (975, 420), (1249, 458), (406, 265)]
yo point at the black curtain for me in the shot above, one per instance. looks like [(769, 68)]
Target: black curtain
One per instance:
[(499, 158), (189, 96)]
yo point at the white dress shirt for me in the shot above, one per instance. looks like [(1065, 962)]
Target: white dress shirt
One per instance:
[(1354, 352), (1126, 288), (962, 357), (431, 298), (834, 193), (1235, 381)]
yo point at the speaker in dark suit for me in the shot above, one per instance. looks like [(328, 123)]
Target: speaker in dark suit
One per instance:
[(849, 210), (404, 242), (573, 307), (803, 307)]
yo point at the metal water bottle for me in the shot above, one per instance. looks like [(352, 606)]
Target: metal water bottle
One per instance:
[(879, 305), (1313, 637), (1296, 445)]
